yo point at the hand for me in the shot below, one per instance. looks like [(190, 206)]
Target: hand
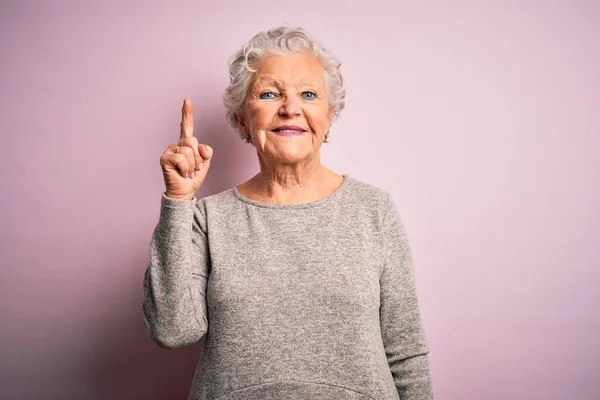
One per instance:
[(186, 163)]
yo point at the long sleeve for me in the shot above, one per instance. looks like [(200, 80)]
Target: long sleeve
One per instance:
[(403, 335), (174, 305)]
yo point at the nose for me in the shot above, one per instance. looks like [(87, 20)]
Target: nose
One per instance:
[(290, 107)]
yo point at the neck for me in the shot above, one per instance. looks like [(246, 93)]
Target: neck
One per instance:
[(290, 183)]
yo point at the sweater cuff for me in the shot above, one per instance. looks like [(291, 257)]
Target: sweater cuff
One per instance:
[(175, 212)]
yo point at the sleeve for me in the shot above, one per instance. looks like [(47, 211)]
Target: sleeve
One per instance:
[(402, 332), (174, 305)]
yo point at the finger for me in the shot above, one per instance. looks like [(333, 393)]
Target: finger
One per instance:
[(189, 155), (192, 143), (172, 148), (187, 120), (172, 158), (180, 163), (206, 152), (166, 158)]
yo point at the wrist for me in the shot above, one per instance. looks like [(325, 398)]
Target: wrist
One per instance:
[(176, 197)]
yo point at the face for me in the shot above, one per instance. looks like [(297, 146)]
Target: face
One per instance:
[(287, 112)]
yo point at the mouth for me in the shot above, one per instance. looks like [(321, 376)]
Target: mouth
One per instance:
[(289, 130)]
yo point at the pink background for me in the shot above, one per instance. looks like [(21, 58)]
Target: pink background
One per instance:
[(481, 118)]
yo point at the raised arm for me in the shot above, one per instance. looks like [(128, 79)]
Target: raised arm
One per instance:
[(403, 336), (174, 306)]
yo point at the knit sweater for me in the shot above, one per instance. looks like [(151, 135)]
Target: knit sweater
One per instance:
[(297, 301)]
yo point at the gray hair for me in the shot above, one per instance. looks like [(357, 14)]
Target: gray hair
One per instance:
[(283, 40)]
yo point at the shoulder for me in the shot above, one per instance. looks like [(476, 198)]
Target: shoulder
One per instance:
[(369, 205), (218, 202), (369, 195), (383, 213)]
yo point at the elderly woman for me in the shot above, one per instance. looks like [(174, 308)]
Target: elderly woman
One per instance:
[(301, 279)]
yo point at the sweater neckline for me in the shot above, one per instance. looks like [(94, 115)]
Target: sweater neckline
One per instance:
[(325, 200)]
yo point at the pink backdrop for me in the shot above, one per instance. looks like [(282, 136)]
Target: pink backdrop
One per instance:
[(481, 118)]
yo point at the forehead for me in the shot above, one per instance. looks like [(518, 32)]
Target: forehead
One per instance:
[(290, 70)]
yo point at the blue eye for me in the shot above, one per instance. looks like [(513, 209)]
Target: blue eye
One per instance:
[(309, 95), (267, 95)]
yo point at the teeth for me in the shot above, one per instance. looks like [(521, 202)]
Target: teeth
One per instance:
[(289, 130)]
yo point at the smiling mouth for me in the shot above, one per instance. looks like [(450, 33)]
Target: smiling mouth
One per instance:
[(288, 133), (288, 130)]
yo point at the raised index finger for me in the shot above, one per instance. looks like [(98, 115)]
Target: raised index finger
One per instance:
[(187, 120)]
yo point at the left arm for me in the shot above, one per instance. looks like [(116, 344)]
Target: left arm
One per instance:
[(402, 332)]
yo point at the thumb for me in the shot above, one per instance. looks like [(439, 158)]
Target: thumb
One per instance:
[(205, 151)]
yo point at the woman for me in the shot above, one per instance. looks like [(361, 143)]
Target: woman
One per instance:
[(300, 278)]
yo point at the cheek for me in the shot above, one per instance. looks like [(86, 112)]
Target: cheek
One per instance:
[(261, 118), (319, 120)]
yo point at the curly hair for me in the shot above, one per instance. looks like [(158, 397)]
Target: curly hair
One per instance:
[(283, 40)]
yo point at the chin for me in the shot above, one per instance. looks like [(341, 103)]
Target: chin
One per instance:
[(291, 156)]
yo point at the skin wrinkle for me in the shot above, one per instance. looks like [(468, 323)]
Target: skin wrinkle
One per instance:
[(291, 169)]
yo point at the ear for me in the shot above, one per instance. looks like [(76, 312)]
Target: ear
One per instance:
[(240, 122)]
